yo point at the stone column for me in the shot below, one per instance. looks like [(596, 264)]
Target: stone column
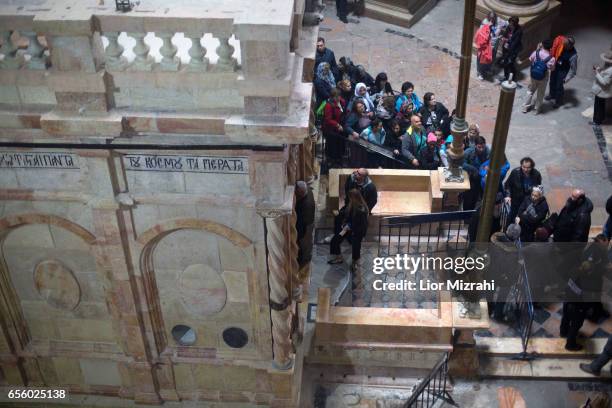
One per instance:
[(535, 16), (279, 280), (519, 8)]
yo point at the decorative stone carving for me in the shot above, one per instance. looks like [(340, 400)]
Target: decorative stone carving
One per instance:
[(203, 291), (115, 61), (142, 61), (35, 50), (169, 62), (9, 50), (279, 297), (197, 52), (57, 285), (225, 51)]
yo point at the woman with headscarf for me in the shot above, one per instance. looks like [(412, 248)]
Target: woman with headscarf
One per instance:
[(361, 92), (403, 116), (323, 83)]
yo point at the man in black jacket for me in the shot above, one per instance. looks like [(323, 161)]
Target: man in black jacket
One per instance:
[(519, 183), (305, 217), (324, 54), (574, 220), (513, 44)]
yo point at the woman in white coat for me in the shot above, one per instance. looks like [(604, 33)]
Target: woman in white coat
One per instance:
[(602, 87)]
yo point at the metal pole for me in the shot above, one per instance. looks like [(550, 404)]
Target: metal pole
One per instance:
[(459, 126), (500, 135)]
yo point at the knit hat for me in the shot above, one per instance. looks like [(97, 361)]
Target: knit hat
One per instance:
[(431, 137)]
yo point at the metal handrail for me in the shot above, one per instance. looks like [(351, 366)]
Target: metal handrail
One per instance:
[(438, 376), (526, 312)]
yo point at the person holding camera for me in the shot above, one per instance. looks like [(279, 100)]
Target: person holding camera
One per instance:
[(602, 88)]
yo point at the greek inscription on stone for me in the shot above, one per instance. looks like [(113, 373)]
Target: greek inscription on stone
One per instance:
[(192, 164), (37, 160)]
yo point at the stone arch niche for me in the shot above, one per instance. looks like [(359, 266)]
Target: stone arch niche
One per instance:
[(197, 273), (44, 283)]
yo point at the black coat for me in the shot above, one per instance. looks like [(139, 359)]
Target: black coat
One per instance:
[(514, 187), (531, 217), (515, 45), (358, 220), (574, 225), (430, 159), (439, 112), (367, 190), (322, 90), (305, 213)]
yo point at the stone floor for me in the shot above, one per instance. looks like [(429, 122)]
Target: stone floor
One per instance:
[(472, 394), (561, 142)]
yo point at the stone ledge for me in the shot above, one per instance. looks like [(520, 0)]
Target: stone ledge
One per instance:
[(76, 82), (71, 125)]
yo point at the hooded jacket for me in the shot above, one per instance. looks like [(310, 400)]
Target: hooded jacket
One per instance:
[(574, 225)]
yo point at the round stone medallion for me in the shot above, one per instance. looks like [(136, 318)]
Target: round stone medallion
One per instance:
[(57, 285), (202, 290)]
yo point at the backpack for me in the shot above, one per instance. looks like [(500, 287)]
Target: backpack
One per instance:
[(539, 68), (319, 114)]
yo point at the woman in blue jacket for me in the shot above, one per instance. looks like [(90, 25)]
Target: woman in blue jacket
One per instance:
[(408, 96)]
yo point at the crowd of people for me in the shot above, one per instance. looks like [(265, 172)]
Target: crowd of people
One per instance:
[(354, 105)]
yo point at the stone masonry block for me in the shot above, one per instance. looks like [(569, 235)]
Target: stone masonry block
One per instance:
[(232, 257), (237, 286), (87, 330), (9, 95), (70, 370), (36, 95), (260, 56), (64, 239), (60, 81), (183, 376), (100, 372), (72, 125), (208, 377), (30, 236), (81, 102), (73, 53)]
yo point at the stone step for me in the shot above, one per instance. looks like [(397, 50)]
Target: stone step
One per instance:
[(540, 368), (388, 14), (551, 360), (546, 347), (404, 16)]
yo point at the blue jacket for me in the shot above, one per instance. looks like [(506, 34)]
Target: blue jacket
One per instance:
[(483, 173), (472, 162), (415, 101), (376, 138)]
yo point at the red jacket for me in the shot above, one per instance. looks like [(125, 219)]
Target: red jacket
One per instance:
[(483, 42), (333, 116)]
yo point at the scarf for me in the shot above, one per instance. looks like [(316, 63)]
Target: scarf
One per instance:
[(369, 105), (329, 78)]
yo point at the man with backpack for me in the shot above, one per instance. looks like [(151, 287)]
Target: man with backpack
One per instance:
[(542, 62)]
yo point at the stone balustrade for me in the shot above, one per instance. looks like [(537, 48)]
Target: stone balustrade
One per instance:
[(231, 62)]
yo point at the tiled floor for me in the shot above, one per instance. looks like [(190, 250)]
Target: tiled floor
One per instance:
[(547, 319)]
